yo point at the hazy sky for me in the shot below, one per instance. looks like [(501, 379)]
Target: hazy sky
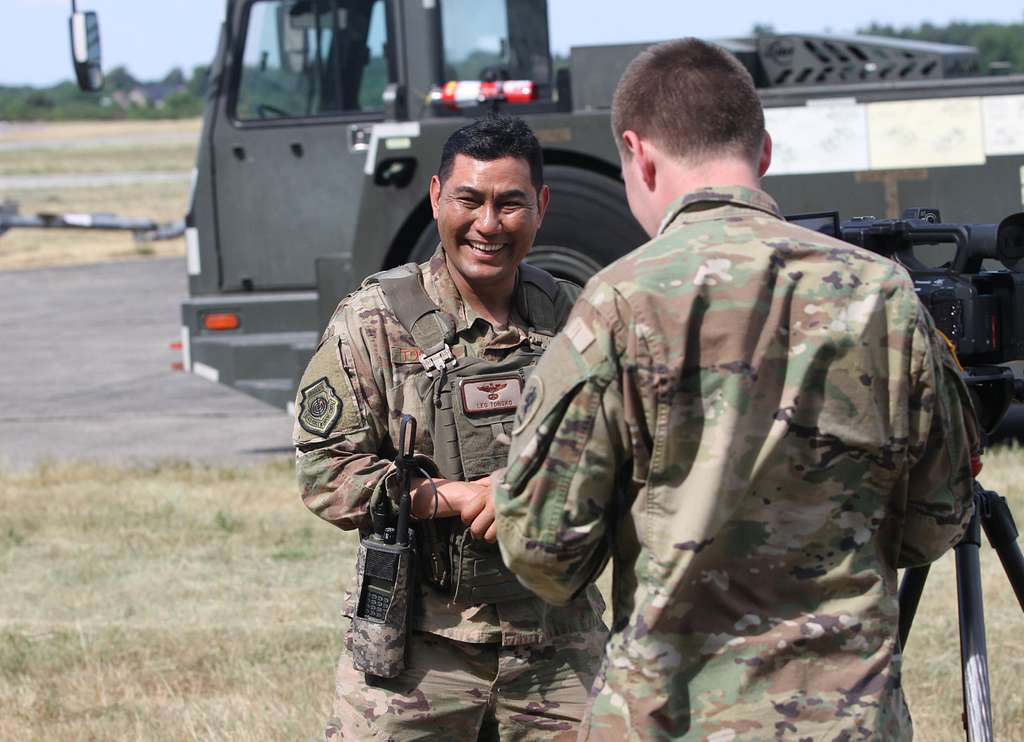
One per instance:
[(152, 36)]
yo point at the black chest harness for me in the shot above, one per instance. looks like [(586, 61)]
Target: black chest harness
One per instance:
[(469, 405)]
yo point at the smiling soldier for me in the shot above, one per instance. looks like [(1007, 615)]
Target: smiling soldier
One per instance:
[(451, 343)]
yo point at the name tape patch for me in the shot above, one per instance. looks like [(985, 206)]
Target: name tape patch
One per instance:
[(491, 395)]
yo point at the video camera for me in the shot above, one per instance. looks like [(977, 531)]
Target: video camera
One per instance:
[(980, 311)]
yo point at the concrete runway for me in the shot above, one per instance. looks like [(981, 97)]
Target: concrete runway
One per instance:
[(85, 373)]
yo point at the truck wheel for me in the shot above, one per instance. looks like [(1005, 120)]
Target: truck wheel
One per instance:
[(587, 226)]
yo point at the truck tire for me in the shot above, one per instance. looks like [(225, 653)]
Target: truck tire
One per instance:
[(587, 226)]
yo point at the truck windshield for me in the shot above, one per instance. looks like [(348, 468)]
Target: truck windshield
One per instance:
[(496, 39), (313, 57)]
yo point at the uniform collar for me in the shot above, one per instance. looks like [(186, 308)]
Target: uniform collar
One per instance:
[(734, 197), (437, 280)]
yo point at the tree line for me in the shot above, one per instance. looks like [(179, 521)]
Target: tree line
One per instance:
[(177, 95)]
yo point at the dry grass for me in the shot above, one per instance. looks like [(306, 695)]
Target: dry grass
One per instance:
[(75, 130), (36, 248), (165, 604), (180, 602), (107, 158), (95, 147), (932, 667)]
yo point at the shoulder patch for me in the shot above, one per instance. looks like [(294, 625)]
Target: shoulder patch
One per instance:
[(533, 395), (319, 408)]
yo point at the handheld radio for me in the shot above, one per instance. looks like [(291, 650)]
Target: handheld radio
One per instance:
[(385, 575)]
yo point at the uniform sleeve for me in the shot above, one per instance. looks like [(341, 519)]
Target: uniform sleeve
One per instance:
[(569, 447), (944, 435), (341, 423)]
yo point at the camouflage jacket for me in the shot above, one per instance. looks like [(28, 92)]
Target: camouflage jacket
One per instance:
[(758, 424), (372, 364)]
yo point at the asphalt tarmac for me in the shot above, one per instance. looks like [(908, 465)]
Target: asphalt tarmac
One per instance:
[(85, 374)]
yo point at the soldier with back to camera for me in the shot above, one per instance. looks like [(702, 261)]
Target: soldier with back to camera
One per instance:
[(449, 342), (757, 423)]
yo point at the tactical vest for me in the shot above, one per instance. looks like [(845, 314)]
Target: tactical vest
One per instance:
[(470, 404)]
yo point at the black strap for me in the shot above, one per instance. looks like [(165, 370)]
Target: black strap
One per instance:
[(536, 298), (429, 326)]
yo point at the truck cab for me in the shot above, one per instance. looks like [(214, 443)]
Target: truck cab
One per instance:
[(324, 125)]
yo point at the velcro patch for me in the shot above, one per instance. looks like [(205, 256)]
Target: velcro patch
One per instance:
[(579, 334), (319, 408), (491, 395)]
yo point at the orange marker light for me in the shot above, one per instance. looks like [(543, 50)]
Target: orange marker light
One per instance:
[(221, 321)]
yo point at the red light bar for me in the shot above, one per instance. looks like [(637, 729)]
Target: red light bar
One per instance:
[(456, 94)]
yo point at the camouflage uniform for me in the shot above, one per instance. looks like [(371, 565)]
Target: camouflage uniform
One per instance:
[(541, 658), (759, 425)]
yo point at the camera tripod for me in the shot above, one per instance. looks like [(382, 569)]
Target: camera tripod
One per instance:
[(991, 515)]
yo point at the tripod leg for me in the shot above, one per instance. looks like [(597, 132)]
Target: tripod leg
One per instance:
[(911, 588), (973, 650), (997, 520)]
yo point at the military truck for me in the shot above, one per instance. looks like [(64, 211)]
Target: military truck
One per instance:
[(325, 120)]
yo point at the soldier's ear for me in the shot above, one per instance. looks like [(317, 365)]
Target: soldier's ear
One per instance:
[(435, 194), (765, 159), (543, 198), (630, 143), (641, 157)]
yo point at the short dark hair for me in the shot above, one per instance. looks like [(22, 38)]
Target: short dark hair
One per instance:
[(492, 138), (692, 99)]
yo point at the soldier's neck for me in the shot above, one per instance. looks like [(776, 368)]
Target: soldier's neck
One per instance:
[(492, 302), (678, 177)]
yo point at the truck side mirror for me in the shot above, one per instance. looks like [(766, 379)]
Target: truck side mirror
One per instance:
[(85, 50)]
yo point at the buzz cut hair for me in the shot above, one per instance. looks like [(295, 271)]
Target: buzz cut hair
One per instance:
[(692, 99)]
